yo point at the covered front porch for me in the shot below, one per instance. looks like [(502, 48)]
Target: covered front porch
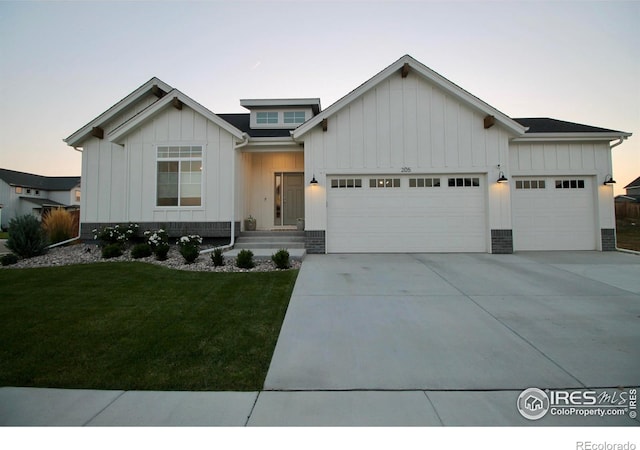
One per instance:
[(273, 184)]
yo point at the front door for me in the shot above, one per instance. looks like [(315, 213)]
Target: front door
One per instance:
[(289, 198)]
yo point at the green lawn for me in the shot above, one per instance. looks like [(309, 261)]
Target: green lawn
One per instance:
[(139, 326), (4, 235)]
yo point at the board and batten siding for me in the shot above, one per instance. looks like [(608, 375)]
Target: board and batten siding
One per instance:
[(120, 184), (587, 159), (406, 124)]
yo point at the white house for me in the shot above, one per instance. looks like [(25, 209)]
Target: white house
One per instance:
[(406, 162), (26, 193)]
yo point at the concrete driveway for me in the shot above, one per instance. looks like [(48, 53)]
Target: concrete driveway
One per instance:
[(463, 322)]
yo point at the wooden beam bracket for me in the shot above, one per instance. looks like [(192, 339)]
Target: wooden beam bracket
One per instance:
[(176, 103), (489, 121), (155, 90), (97, 132), (405, 70), (325, 124)]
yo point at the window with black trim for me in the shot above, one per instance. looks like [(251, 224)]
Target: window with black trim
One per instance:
[(346, 183), (463, 182), (570, 184), (424, 182), (530, 184), (384, 182)]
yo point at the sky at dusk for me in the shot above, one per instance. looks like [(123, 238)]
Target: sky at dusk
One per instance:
[(64, 63)]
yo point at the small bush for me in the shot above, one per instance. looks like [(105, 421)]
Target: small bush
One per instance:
[(59, 224), (7, 260), (118, 234), (190, 247), (245, 259), (141, 251), (111, 251), (159, 243), (26, 238), (161, 251), (281, 259), (217, 258)]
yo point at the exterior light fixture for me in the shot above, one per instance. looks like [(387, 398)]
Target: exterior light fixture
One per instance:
[(313, 180), (608, 180), (501, 177)]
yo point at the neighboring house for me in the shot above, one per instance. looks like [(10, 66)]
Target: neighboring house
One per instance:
[(406, 162), (25, 193), (633, 192)]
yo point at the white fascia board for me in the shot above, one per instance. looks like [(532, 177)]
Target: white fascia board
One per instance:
[(124, 129), (427, 73), (549, 137), (76, 138), (272, 142), (279, 102)]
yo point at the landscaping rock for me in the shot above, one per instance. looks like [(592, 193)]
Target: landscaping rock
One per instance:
[(90, 253)]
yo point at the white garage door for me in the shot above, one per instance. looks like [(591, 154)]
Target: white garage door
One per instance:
[(444, 213), (553, 213)]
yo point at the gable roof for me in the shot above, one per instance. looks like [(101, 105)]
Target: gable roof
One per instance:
[(633, 184), (437, 79), (42, 202), (153, 84), (166, 101), (29, 180)]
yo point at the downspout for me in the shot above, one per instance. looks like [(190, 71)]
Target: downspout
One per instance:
[(243, 143), (58, 244), (620, 141)]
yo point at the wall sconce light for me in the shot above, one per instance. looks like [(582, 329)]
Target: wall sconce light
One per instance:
[(608, 180), (313, 180), (501, 177)]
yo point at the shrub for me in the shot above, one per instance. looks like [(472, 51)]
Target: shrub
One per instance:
[(281, 259), (161, 252), (158, 242), (7, 260), (141, 251), (26, 238), (118, 234), (59, 225), (217, 258), (112, 251), (245, 259), (190, 247)]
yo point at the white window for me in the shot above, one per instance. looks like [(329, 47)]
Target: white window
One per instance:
[(464, 182), (384, 182), (179, 181), (293, 117), (348, 183), (77, 195), (267, 117), (530, 184), (18, 189), (424, 182), (569, 184)]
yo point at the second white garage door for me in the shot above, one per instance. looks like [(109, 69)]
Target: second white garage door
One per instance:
[(385, 214), (553, 213)]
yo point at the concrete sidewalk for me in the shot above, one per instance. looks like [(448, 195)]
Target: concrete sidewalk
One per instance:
[(67, 407)]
